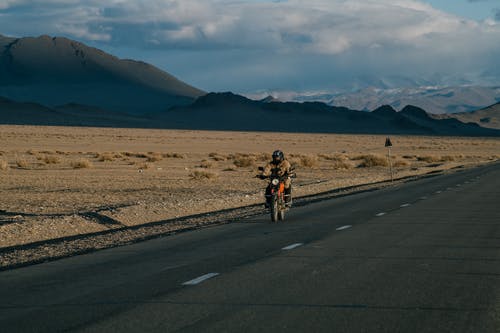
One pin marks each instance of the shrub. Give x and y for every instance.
(202, 174)
(82, 163)
(373, 160)
(3, 165)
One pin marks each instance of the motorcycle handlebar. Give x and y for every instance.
(291, 175)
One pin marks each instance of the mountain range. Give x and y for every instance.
(487, 117)
(434, 99)
(227, 111)
(57, 81)
(54, 71)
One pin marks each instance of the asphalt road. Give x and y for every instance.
(419, 257)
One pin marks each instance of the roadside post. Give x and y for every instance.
(388, 144)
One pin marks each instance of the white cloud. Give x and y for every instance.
(382, 34)
(315, 26)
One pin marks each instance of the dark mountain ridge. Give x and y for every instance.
(233, 112)
(57, 70)
(227, 111)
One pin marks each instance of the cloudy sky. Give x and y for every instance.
(252, 45)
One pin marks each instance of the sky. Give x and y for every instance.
(258, 45)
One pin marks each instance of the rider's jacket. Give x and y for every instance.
(283, 168)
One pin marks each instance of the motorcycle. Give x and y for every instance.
(276, 196)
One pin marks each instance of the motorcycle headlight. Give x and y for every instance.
(275, 181)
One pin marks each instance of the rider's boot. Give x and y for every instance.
(267, 195)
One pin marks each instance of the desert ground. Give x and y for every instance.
(63, 181)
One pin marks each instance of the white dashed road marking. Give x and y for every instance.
(423, 198)
(293, 246)
(437, 192)
(380, 214)
(344, 227)
(405, 205)
(200, 279)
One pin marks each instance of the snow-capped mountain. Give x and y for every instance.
(434, 99)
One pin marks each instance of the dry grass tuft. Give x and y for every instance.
(22, 163)
(337, 161)
(448, 158)
(155, 157)
(3, 165)
(398, 163)
(217, 157)
(65, 153)
(202, 175)
(174, 155)
(373, 160)
(341, 165)
(51, 159)
(231, 168)
(144, 166)
(82, 163)
(206, 164)
(31, 152)
(334, 157)
(308, 161)
(429, 158)
(106, 157)
(130, 154)
(264, 157)
(244, 160)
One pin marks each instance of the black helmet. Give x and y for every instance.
(278, 156)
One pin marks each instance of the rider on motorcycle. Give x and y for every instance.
(282, 168)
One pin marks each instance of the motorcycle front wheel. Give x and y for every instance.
(281, 208)
(274, 209)
(281, 214)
